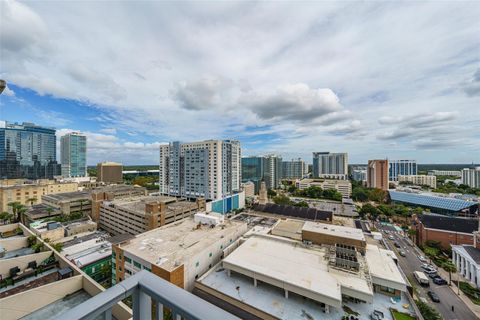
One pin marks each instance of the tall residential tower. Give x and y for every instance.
(401, 167)
(377, 174)
(73, 155)
(210, 169)
(330, 165)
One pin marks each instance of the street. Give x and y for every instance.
(411, 263)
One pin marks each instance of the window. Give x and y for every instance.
(197, 264)
(128, 271)
(136, 264)
(127, 259)
(210, 254)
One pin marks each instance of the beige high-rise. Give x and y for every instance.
(377, 174)
(110, 172)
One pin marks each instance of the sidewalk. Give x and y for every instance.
(472, 306)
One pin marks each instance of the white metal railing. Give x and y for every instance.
(147, 289)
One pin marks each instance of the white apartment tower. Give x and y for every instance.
(471, 177)
(330, 165)
(210, 169)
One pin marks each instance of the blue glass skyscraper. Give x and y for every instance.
(27, 151)
(73, 154)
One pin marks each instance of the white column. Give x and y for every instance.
(229, 273)
(327, 308)
(254, 282)
(286, 293)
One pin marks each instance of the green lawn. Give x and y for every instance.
(397, 315)
(471, 292)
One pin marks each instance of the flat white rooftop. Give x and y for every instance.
(290, 265)
(177, 241)
(383, 268)
(334, 230)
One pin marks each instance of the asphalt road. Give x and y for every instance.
(411, 263)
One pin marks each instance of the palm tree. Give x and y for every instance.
(21, 211)
(49, 210)
(32, 200)
(449, 267)
(3, 216)
(14, 206)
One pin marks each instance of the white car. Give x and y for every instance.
(422, 258)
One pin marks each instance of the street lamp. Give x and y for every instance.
(3, 85)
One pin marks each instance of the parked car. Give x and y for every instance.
(433, 296)
(430, 271)
(402, 253)
(439, 281)
(397, 245)
(391, 237)
(422, 258)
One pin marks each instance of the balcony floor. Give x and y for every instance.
(17, 253)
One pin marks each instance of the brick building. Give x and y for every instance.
(446, 230)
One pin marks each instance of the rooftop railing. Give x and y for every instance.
(146, 290)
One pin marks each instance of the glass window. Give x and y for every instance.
(197, 264)
(136, 264)
(127, 259)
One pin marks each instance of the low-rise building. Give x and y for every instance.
(140, 214)
(249, 189)
(443, 229)
(69, 203)
(329, 234)
(453, 173)
(179, 253)
(39, 283)
(261, 280)
(29, 192)
(39, 212)
(54, 231)
(419, 180)
(466, 258)
(111, 192)
(342, 186)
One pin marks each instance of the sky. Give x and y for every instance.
(374, 79)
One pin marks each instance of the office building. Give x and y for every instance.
(342, 186)
(401, 167)
(73, 155)
(419, 180)
(377, 174)
(78, 203)
(41, 283)
(208, 169)
(330, 165)
(272, 171)
(471, 177)
(28, 192)
(110, 172)
(180, 252)
(293, 169)
(141, 214)
(359, 174)
(252, 170)
(28, 151)
(452, 173)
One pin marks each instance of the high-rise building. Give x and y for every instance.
(109, 172)
(330, 165)
(377, 174)
(401, 167)
(359, 174)
(252, 170)
(27, 151)
(471, 177)
(294, 169)
(272, 171)
(210, 169)
(73, 155)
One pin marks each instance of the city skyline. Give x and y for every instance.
(406, 90)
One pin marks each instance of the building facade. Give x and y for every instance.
(377, 174)
(252, 170)
(31, 192)
(73, 155)
(467, 260)
(359, 174)
(293, 169)
(110, 172)
(272, 171)
(208, 169)
(401, 167)
(419, 180)
(453, 173)
(471, 177)
(342, 186)
(328, 164)
(28, 151)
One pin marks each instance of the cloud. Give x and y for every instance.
(472, 87)
(296, 102)
(205, 93)
(8, 92)
(108, 130)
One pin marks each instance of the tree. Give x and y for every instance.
(14, 205)
(369, 210)
(271, 193)
(3, 216)
(377, 195)
(292, 189)
(282, 199)
(49, 210)
(412, 233)
(21, 213)
(359, 194)
(32, 200)
(449, 267)
(57, 247)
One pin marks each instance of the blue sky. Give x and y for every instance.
(376, 80)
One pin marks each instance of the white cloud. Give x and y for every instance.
(311, 71)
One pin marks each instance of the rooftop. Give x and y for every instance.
(169, 245)
(426, 200)
(473, 252)
(334, 230)
(289, 228)
(137, 204)
(277, 260)
(68, 196)
(455, 224)
(383, 268)
(296, 212)
(87, 252)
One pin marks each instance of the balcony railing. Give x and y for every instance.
(147, 289)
